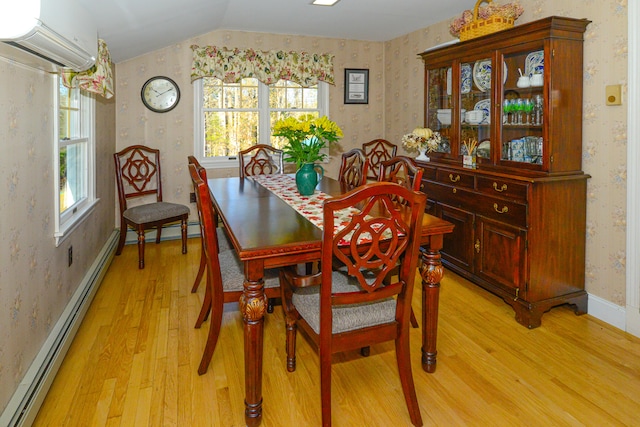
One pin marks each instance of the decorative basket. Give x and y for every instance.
(482, 27)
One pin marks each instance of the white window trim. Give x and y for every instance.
(263, 96)
(67, 222)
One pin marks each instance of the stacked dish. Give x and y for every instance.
(444, 115)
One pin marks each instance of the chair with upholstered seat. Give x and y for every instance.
(260, 159)
(378, 151)
(353, 169)
(138, 176)
(223, 241)
(353, 306)
(401, 170)
(404, 171)
(225, 272)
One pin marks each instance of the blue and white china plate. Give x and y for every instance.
(534, 63)
(482, 74)
(484, 106)
(484, 149)
(466, 79)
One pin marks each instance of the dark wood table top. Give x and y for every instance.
(262, 225)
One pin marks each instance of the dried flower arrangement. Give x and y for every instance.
(506, 11)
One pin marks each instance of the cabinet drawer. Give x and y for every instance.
(502, 188)
(503, 210)
(428, 172)
(454, 177)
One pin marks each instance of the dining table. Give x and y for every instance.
(267, 231)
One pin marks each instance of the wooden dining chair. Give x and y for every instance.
(138, 176)
(225, 271)
(221, 235)
(378, 151)
(260, 159)
(404, 171)
(401, 170)
(353, 169)
(345, 309)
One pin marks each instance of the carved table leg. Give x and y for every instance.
(253, 303)
(431, 271)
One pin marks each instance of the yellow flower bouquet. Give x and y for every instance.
(306, 136)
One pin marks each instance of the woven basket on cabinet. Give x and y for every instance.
(482, 27)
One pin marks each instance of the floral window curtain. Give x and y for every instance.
(97, 79)
(231, 65)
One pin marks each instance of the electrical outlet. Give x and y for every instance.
(70, 255)
(192, 197)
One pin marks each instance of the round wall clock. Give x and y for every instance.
(160, 94)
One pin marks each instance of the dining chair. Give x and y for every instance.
(260, 159)
(404, 171)
(138, 176)
(347, 308)
(225, 271)
(377, 151)
(221, 235)
(353, 169)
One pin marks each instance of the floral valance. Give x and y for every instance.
(97, 79)
(232, 65)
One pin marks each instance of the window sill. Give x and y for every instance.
(67, 228)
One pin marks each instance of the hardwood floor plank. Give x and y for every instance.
(134, 362)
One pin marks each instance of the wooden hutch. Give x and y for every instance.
(520, 210)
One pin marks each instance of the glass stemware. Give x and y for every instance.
(528, 109)
(506, 109)
(538, 109)
(519, 109)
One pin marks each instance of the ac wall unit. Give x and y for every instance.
(49, 34)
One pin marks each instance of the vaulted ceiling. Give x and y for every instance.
(134, 27)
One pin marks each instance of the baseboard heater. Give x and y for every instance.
(28, 397)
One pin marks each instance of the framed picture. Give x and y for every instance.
(356, 86)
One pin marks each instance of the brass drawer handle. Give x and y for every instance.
(501, 189)
(477, 246)
(456, 179)
(455, 191)
(504, 209)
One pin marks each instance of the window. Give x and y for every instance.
(74, 157)
(234, 116)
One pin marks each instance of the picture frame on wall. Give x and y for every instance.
(356, 86)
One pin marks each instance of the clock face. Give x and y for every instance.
(160, 94)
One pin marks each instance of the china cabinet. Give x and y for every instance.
(520, 210)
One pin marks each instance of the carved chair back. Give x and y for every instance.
(377, 151)
(261, 159)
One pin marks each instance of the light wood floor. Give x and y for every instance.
(134, 361)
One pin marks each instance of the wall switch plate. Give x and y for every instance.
(613, 94)
(192, 197)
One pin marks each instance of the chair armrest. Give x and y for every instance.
(299, 280)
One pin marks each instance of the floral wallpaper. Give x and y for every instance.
(35, 282)
(604, 127)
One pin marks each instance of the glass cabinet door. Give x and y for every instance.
(439, 104)
(523, 109)
(475, 98)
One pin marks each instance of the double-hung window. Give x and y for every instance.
(234, 116)
(74, 155)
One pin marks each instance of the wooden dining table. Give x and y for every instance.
(267, 232)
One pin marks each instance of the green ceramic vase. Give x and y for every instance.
(307, 178)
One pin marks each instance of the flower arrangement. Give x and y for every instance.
(507, 11)
(422, 138)
(306, 136)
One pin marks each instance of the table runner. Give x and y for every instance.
(284, 186)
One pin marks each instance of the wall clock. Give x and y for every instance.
(160, 94)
